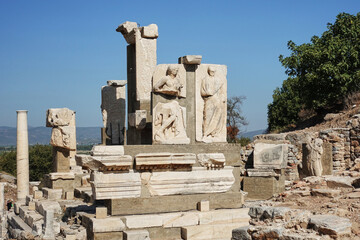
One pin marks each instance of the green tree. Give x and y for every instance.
(320, 73)
(235, 119)
(40, 161)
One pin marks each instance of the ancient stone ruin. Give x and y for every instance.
(164, 169)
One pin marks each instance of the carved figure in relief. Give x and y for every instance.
(169, 123)
(170, 84)
(314, 148)
(214, 112)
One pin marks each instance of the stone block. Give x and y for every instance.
(204, 206)
(61, 175)
(43, 206)
(113, 163)
(241, 233)
(331, 225)
(115, 185)
(164, 160)
(101, 212)
(205, 232)
(69, 195)
(17, 206)
(327, 159)
(224, 216)
(263, 187)
(56, 117)
(31, 206)
(211, 160)
(110, 224)
(197, 181)
(70, 237)
(28, 199)
(143, 221)
(160, 233)
(136, 235)
(61, 159)
(52, 194)
(190, 59)
(267, 155)
(138, 119)
(104, 150)
(174, 203)
(150, 31)
(119, 83)
(325, 192)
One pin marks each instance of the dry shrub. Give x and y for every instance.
(351, 100)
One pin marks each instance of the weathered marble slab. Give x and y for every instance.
(267, 155)
(211, 103)
(104, 150)
(113, 109)
(164, 160)
(56, 117)
(64, 137)
(114, 163)
(169, 124)
(190, 59)
(197, 181)
(211, 160)
(170, 79)
(115, 185)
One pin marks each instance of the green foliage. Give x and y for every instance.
(40, 161)
(320, 73)
(244, 141)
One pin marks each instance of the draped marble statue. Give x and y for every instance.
(214, 114)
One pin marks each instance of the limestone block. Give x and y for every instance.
(61, 175)
(211, 103)
(211, 160)
(17, 206)
(43, 206)
(143, 221)
(61, 159)
(31, 206)
(115, 185)
(120, 83)
(170, 79)
(224, 216)
(145, 52)
(150, 31)
(138, 119)
(196, 181)
(261, 172)
(180, 219)
(52, 194)
(331, 225)
(127, 30)
(56, 117)
(268, 155)
(101, 212)
(136, 235)
(203, 206)
(29, 198)
(164, 160)
(113, 111)
(69, 195)
(205, 232)
(113, 163)
(169, 124)
(64, 137)
(103, 150)
(190, 59)
(49, 225)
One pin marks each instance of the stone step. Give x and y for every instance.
(18, 223)
(52, 194)
(42, 206)
(84, 193)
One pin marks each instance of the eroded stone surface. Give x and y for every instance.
(331, 225)
(64, 137)
(272, 156)
(211, 160)
(191, 59)
(210, 101)
(169, 124)
(170, 79)
(164, 160)
(102, 150)
(56, 117)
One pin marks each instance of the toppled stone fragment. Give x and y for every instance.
(150, 31)
(331, 225)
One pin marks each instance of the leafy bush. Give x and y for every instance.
(40, 161)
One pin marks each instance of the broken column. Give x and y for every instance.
(2, 198)
(49, 225)
(113, 111)
(22, 155)
(63, 136)
(141, 62)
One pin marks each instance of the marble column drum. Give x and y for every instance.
(22, 155)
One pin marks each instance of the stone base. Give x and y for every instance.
(261, 188)
(66, 184)
(231, 151)
(174, 203)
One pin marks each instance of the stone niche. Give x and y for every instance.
(211, 103)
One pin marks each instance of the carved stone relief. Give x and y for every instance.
(170, 79)
(169, 124)
(312, 152)
(268, 155)
(211, 100)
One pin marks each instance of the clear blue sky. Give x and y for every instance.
(60, 53)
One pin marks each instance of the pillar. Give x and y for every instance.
(22, 155)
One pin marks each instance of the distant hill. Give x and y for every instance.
(41, 135)
(252, 133)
